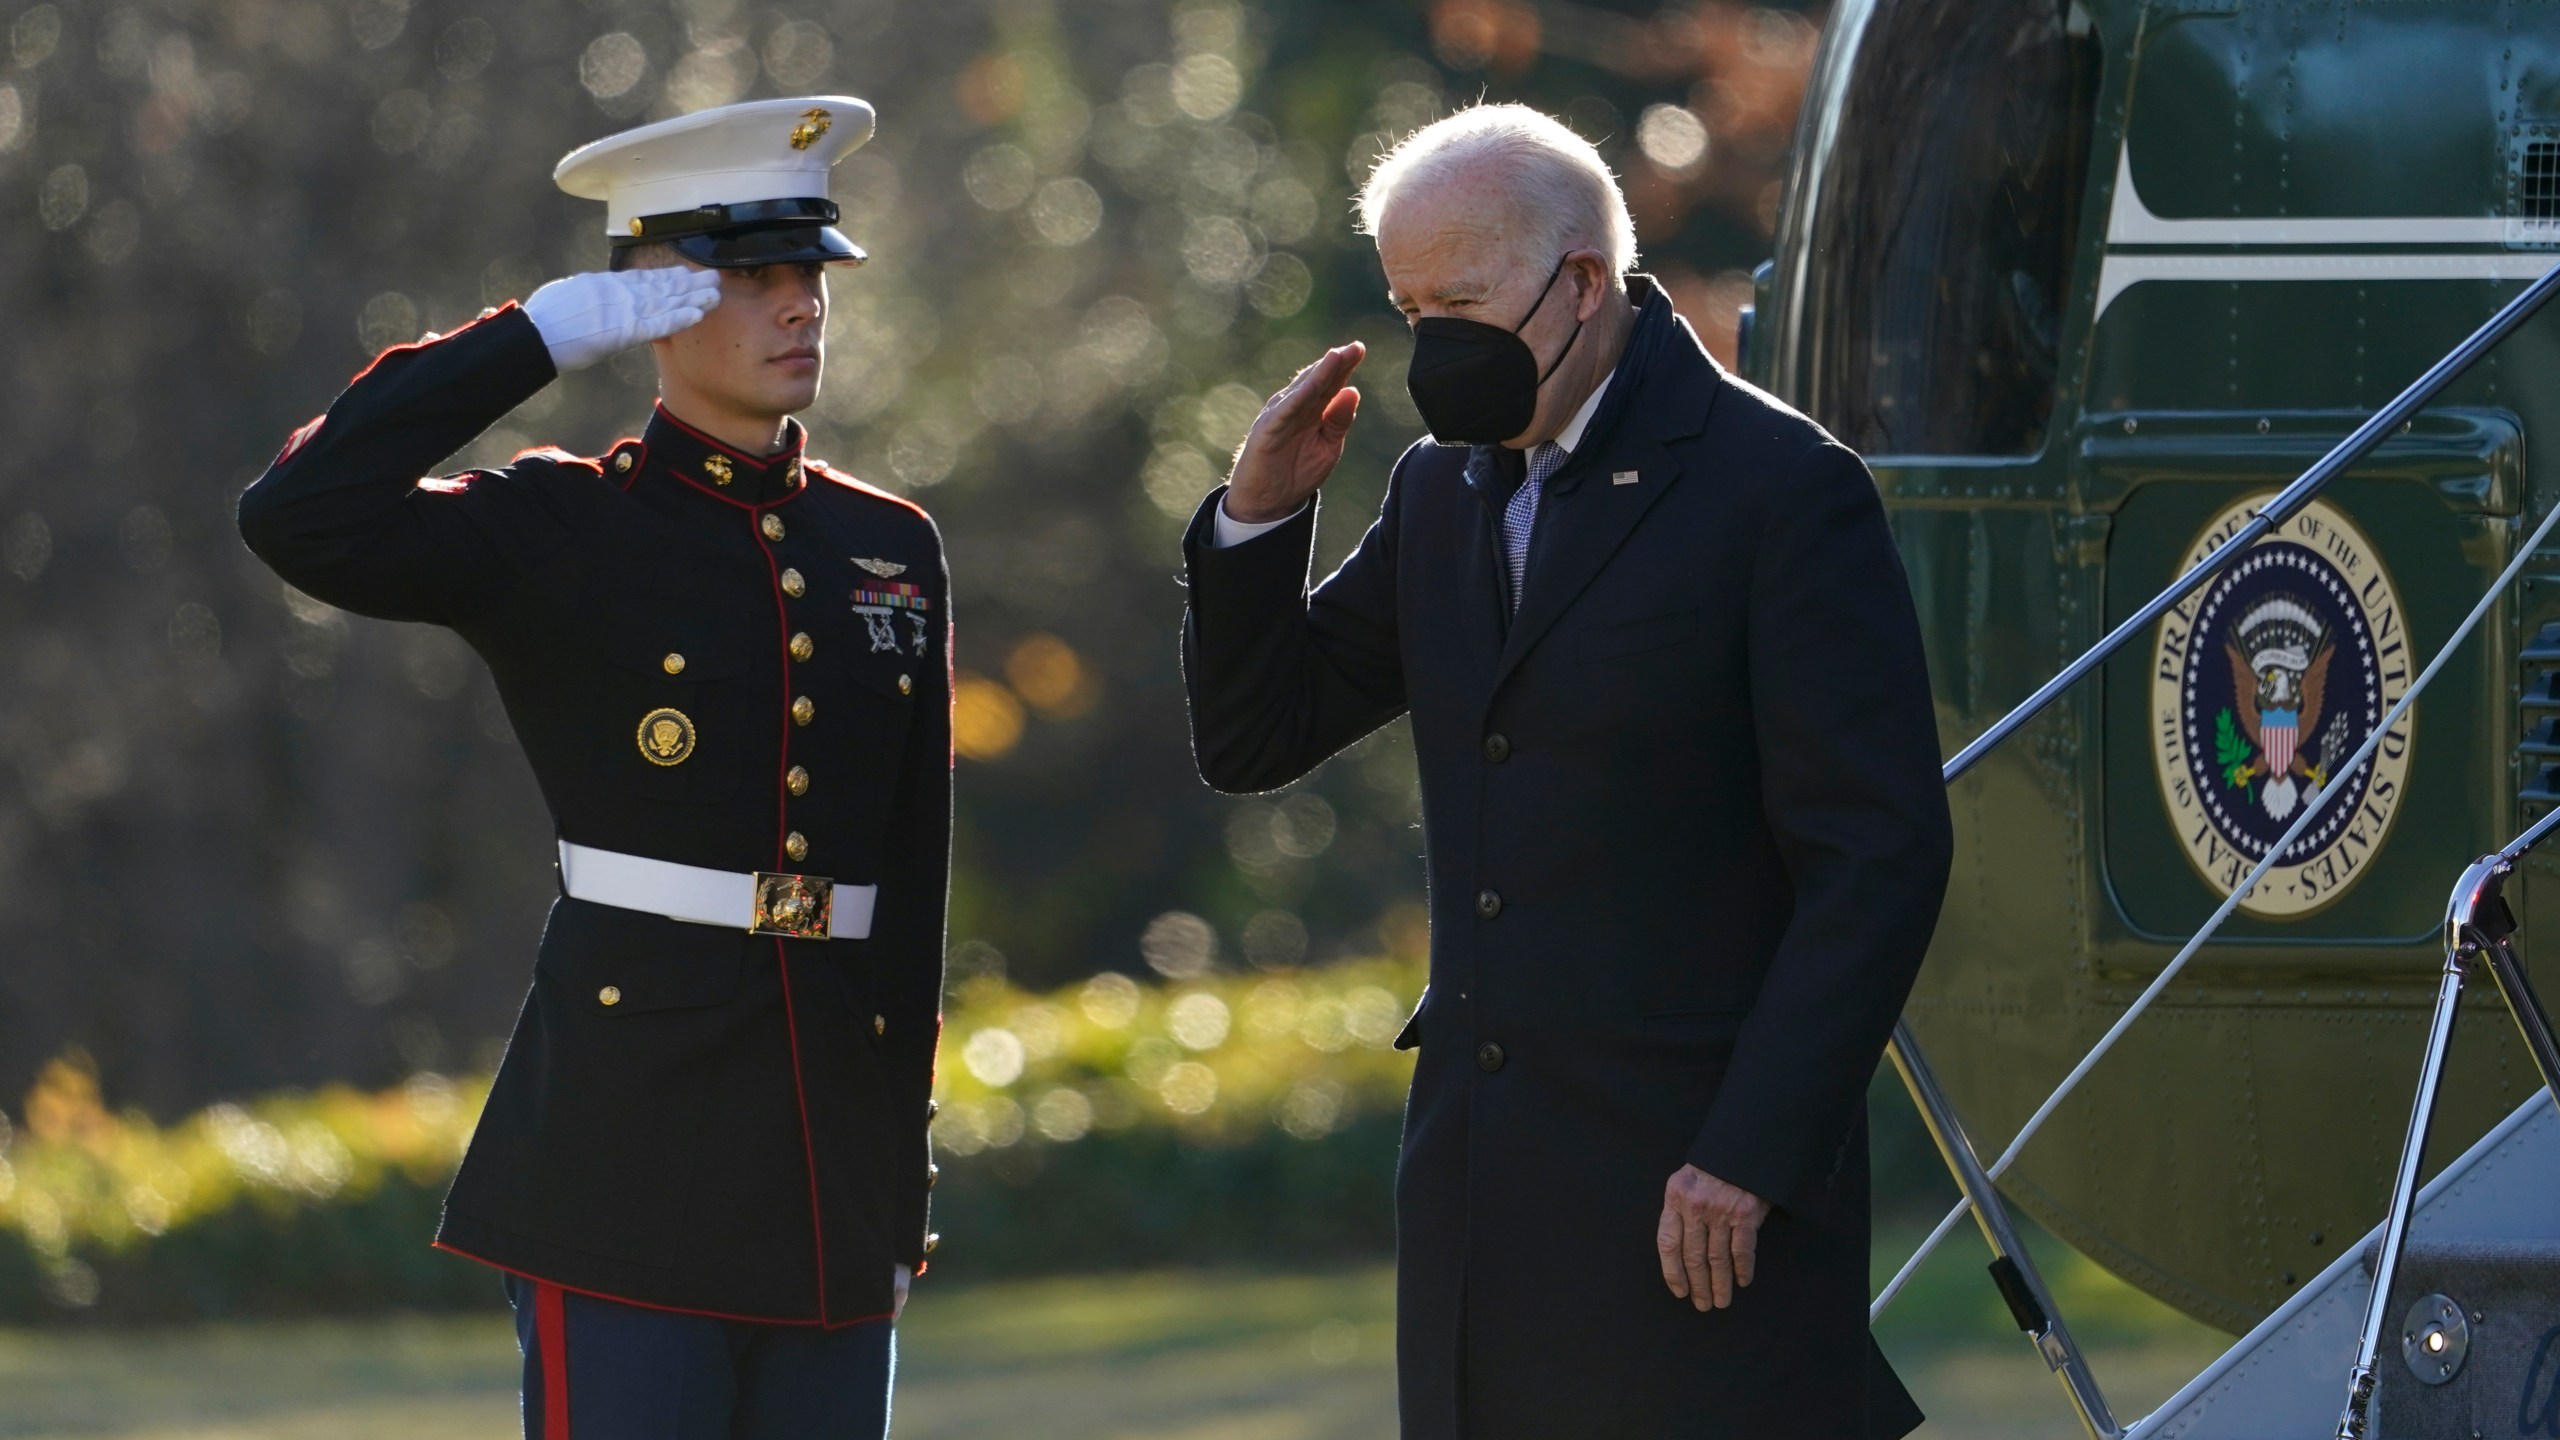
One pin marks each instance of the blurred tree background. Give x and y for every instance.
(248, 842)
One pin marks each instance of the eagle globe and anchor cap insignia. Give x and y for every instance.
(2264, 683)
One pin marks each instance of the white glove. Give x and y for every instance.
(584, 318)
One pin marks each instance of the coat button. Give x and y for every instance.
(609, 995)
(1489, 1057)
(932, 1243)
(906, 684)
(1488, 904)
(932, 1109)
(771, 525)
(932, 1173)
(796, 845)
(1496, 749)
(622, 462)
(802, 647)
(793, 585)
(674, 663)
(879, 1024)
(797, 779)
(803, 710)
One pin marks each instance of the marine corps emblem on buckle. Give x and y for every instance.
(796, 907)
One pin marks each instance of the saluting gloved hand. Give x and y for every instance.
(584, 318)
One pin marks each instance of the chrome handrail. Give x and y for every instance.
(1978, 1182)
(2231, 903)
(2359, 443)
(2479, 930)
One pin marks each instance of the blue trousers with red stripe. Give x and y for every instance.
(598, 1369)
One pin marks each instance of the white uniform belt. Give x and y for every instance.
(708, 897)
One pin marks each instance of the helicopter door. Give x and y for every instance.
(2240, 710)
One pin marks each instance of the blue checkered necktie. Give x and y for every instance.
(1521, 515)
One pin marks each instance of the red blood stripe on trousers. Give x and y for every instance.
(551, 1328)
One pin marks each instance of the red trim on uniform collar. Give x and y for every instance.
(797, 436)
(677, 465)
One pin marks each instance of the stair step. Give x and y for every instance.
(2496, 1365)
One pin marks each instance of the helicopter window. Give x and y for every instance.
(1944, 233)
(2538, 180)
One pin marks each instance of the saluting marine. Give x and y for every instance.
(704, 1164)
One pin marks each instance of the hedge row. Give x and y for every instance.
(1218, 1120)
(1221, 1118)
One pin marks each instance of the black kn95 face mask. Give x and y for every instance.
(1477, 384)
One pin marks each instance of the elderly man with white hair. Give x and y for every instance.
(1685, 835)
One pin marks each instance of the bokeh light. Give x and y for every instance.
(986, 721)
(1179, 945)
(1672, 138)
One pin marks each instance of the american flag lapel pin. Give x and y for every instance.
(1623, 477)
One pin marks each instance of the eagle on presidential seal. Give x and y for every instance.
(2279, 655)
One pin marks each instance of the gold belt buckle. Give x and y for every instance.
(796, 907)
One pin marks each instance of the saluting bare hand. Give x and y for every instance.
(1709, 1238)
(1297, 439)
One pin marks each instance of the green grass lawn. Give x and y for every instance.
(1149, 1356)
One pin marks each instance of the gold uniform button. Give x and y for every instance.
(609, 995)
(793, 585)
(797, 778)
(932, 1243)
(771, 525)
(932, 1108)
(932, 1173)
(879, 1024)
(906, 684)
(803, 710)
(674, 663)
(622, 461)
(802, 647)
(796, 845)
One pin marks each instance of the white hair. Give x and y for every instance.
(1562, 193)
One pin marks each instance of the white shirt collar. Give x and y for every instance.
(1571, 436)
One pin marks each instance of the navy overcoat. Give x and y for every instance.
(1686, 843)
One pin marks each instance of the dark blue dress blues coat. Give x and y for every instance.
(688, 1116)
(1686, 843)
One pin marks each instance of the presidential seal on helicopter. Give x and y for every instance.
(2261, 683)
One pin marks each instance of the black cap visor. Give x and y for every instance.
(770, 245)
(761, 232)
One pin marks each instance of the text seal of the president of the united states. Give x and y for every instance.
(2263, 684)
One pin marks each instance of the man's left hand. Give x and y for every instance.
(898, 1307)
(1709, 1237)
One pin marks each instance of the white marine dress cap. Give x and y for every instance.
(739, 185)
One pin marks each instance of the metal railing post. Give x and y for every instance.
(2404, 1182)
(1982, 1195)
(2532, 1021)
(2479, 927)
(2013, 1270)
